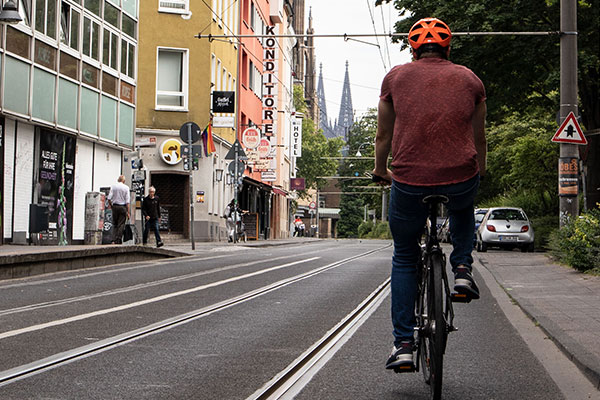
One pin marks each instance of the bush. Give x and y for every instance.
(365, 228)
(544, 227)
(577, 243)
(369, 230)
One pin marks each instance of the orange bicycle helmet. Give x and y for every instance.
(429, 30)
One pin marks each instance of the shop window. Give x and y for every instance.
(17, 42)
(69, 26)
(171, 86)
(110, 49)
(69, 66)
(91, 38)
(45, 17)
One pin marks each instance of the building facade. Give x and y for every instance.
(67, 112)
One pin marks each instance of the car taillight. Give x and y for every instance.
(491, 228)
(525, 228)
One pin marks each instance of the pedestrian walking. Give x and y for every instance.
(431, 117)
(151, 214)
(118, 200)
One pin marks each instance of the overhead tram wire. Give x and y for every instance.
(377, 37)
(391, 35)
(387, 47)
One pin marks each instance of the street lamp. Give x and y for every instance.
(218, 175)
(358, 154)
(10, 13)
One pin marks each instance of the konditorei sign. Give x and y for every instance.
(270, 82)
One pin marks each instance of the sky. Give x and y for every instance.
(366, 62)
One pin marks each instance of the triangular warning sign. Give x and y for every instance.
(570, 132)
(236, 147)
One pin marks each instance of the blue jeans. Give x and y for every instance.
(151, 224)
(407, 218)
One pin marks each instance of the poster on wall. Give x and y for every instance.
(55, 186)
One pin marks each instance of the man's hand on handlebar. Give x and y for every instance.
(382, 177)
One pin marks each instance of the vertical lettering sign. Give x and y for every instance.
(296, 148)
(568, 176)
(270, 82)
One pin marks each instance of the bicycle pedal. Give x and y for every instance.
(460, 298)
(405, 368)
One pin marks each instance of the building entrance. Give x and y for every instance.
(173, 191)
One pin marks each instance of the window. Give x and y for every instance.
(25, 11)
(45, 17)
(69, 26)
(111, 15)
(213, 70)
(93, 6)
(218, 74)
(251, 75)
(128, 58)
(129, 26)
(172, 79)
(174, 6)
(252, 16)
(91, 38)
(110, 49)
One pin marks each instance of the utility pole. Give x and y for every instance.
(569, 204)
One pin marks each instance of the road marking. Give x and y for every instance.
(80, 317)
(37, 306)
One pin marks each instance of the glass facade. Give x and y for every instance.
(73, 63)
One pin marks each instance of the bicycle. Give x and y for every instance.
(433, 308)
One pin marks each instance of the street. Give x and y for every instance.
(223, 324)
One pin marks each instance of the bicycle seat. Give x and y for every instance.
(435, 199)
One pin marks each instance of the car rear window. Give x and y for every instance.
(508, 214)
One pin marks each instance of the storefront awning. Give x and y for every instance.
(333, 213)
(279, 192)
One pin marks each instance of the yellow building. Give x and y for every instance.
(176, 75)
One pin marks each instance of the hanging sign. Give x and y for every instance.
(269, 97)
(170, 151)
(296, 147)
(251, 138)
(223, 102)
(264, 148)
(570, 132)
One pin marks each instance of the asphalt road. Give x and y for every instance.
(230, 351)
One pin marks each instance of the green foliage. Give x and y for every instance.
(314, 146)
(369, 230)
(351, 208)
(577, 243)
(543, 228)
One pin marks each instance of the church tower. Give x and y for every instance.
(346, 117)
(323, 117)
(309, 80)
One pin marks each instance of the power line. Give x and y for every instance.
(387, 47)
(376, 37)
(391, 35)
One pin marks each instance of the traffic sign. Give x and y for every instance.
(241, 153)
(241, 167)
(312, 205)
(570, 132)
(184, 133)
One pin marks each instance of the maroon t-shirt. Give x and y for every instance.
(434, 101)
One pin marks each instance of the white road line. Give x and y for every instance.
(37, 306)
(80, 317)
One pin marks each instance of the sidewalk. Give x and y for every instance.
(565, 303)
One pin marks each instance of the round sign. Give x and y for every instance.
(170, 151)
(264, 148)
(312, 205)
(190, 132)
(241, 167)
(251, 138)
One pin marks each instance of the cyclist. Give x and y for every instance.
(431, 117)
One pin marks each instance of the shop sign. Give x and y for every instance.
(146, 141)
(251, 138)
(296, 147)
(568, 176)
(223, 102)
(297, 184)
(223, 122)
(269, 99)
(170, 151)
(264, 148)
(268, 176)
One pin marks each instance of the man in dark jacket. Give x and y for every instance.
(151, 212)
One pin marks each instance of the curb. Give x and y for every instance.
(568, 346)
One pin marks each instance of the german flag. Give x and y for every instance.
(207, 141)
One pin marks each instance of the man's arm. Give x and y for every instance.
(478, 123)
(386, 117)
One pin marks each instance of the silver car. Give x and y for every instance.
(505, 227)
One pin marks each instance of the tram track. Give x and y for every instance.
(66, 357)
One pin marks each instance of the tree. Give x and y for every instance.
(521, 72)
(350, 216)
(315, 146)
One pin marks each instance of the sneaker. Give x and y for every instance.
(401, 356)
(464, 282)
(159, 244)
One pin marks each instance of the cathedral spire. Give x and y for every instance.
(346, 117)
(323, 117)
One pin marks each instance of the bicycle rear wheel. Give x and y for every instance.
(438, 329)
